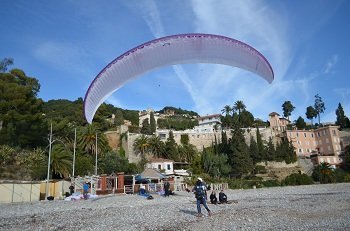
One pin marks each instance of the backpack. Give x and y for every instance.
(199, 191)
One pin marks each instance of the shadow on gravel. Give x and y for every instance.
(190, 212)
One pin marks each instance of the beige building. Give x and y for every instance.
(324, 141)
(277, 123)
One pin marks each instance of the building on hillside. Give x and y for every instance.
(161, 164)
(334, 160)
(200, 136)
(276, 123)
(323, 141)
(213, 121)
(146, 114)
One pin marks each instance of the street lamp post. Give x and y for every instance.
(96, 156)
(48, 164)
(75, 141)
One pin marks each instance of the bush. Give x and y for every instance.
(297, 179)
(271, 183)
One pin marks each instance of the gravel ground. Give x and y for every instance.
(314, 207)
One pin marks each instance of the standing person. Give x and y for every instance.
(213, 198)
(166, 188)
(85, 190)
(200, 193)
(222, 197)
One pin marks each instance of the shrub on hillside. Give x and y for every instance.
(297, 179)
(271, 183)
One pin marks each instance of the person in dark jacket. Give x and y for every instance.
(222, 197)
(166, 188)
(200, 193)
(213, 198)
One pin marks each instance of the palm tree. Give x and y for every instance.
(324, 173)
(87, 140)
(156, 146)
(141, 145)
(227, 110)
(61, 160)
(239, 106)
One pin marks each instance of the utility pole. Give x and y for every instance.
(75, 141)
(48, 164)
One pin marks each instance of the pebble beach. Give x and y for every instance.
(312, 207)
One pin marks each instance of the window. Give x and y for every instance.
(312, 135)
(168, 166)
(304, 134)
(329, 148)
(333, 131)
(297, 135)
(318, 133)
(327, 140)
(300, 150)
(159, 166)
(162, 136)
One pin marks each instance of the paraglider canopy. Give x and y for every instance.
(171, 50)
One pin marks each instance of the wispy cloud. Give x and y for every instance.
(330, 64)
(64, 56)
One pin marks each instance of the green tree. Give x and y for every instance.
(112, 162)
(271, 152)
(184, 139)
(84, 164)
(319, 107)
(61, 161)
(287, 108)
(87, 140)
(239, 106)
(300, 123)
(261, 147)
(311, 113)
(20, 110)
(171, 147)
(4, 63)
(246, 119)
(323, 173)
(152, 123)
(156, 146)
(342, 121)
(254, 151)
(146, 127)
(141, 145)
(215, 164)
(239, 157)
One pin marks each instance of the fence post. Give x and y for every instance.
(13, 191)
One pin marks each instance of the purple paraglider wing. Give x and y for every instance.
(171, 50)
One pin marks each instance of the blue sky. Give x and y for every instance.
(65, 44)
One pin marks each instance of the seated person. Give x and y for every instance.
(222, 197)
(213, 198)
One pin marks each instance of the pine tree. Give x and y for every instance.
(253, 150)
(342, 120)
(171, 147)
(239, 157)
(152, 123)
(271, 152)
